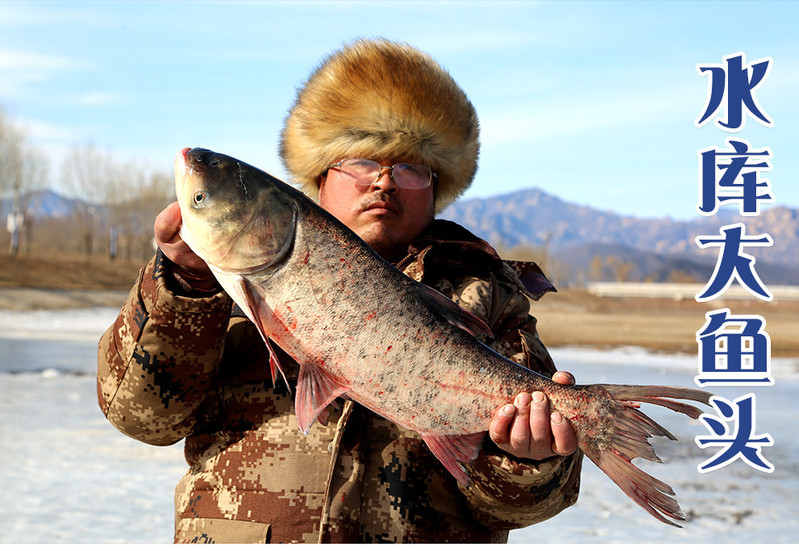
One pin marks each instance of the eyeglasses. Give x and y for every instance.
(365, 172)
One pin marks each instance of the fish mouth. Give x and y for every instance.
(193, 160)
(181, 170)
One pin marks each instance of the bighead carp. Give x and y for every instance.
(358, 326)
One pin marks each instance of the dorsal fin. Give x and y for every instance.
(455, 315)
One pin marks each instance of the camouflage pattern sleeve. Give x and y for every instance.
(506, 492)
(158, 359)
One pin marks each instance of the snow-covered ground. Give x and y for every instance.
(69, 477)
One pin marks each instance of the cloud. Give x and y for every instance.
(43, 132)
(15, 60)
(39, 14)
(94, 98)
(19, 70)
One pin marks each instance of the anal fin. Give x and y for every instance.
(455, 449)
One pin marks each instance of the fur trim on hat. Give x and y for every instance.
(379, 99)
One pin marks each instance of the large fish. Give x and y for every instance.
(358, 326)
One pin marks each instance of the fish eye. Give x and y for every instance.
(199, 198)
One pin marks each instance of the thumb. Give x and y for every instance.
(563, 378)
(167, 224)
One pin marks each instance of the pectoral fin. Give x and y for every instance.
(315, 391)
(454, 450)
(255, 308)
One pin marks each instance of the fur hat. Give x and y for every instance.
(380, 99)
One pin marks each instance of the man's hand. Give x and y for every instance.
(527, 430)
(190, 267)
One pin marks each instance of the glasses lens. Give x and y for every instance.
(360, 171)
(363, 172)
(412, 176)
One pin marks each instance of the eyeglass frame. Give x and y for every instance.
(433, 175)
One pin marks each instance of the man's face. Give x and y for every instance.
(384, 215)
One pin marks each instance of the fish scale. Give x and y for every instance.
(361, 328)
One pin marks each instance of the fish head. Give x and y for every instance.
(237, 218)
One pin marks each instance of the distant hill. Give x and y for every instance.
(658, 247)
(578, 237)
(43, 204)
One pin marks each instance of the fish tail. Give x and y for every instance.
(624, 436)
(657, 395)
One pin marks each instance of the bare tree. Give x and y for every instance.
(9, 147)
(34, 176)
(595, 270)
(139, 197)
(125, 183)
(159, 192)
(23, 169)
(620, 269)
(91, 177)
(10, 144)
(681, 276)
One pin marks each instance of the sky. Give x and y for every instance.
(594, 102)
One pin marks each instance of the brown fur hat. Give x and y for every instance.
(380, 99)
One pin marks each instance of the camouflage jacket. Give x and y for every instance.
(178, 367)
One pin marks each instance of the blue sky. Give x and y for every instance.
(593, 102)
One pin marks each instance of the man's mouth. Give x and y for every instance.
(380, 207)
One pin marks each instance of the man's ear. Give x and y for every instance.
(320, 181)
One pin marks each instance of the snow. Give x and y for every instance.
(69, 477)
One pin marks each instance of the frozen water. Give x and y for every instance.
(69, 477)
(735, 504)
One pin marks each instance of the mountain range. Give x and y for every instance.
(43, 204)
(654, 248)
(581, 243)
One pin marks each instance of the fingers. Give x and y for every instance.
(520, 435)
(499, 428)
(527, 429)
(530, 432)
(564, 439)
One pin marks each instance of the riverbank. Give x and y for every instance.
(575, 317)
(67, 272)
(570, 317)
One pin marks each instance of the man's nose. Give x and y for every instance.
(385, 182)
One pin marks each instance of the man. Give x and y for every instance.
(383, 138)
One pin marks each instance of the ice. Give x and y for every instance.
(736, 504)
(59, 325)
(69, 477)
